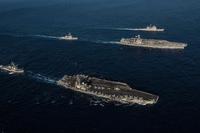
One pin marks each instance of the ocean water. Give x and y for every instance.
(29, 32)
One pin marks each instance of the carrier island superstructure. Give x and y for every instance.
(110, 90)
(137, 41)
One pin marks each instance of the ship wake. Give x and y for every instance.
(46, 36)
(122, 29)
(108, 42)
(34, 36)
(126, 29)
(131, 29)
(41, 78)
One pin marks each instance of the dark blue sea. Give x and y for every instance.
(28, 37)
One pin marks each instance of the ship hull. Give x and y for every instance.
(150, 30)
(69, 39)
(11, 71)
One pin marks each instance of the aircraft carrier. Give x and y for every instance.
(110, 90)
(151, 43)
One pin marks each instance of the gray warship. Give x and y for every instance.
(151, 43)
(110, 90)
(11, 69)
(68, 37)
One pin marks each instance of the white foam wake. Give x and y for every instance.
(129, 29)
(35, 36)
(108, 42)
(41, 78)
(46, 36)
(137, 29)
(122, 29)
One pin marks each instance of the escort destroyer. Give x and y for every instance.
(69, 37)
(11, 69)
